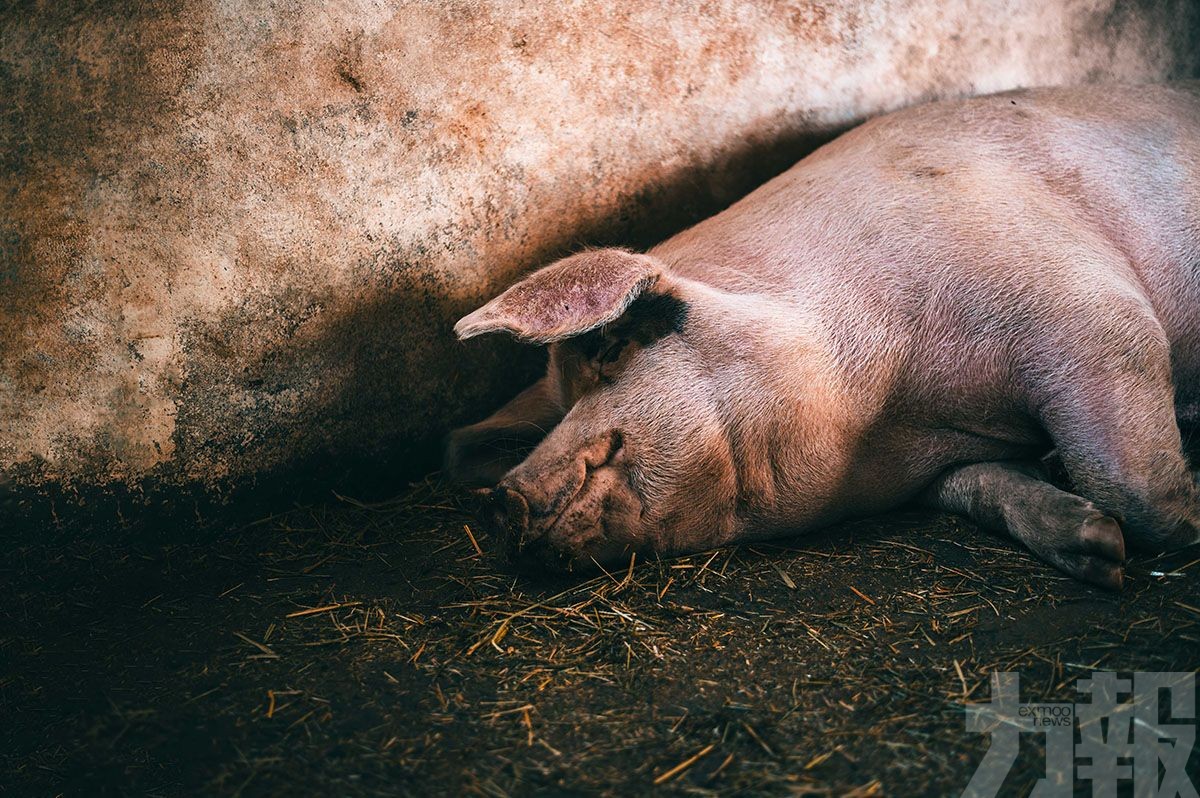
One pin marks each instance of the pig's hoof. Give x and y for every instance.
(1094, 551)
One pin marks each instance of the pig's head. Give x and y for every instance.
(631, 442)
(673, 416)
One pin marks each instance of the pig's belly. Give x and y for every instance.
(1176, 297)
(1187, 408)
(892, 468)
(1185, 363)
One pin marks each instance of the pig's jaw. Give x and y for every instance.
(790, 438)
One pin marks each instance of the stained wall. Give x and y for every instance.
(235, 235)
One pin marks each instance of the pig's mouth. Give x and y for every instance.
(590, 518)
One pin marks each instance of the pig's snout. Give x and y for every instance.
(570, 510)
(509, 515)
(510, 520)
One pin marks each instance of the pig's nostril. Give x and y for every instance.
(510, 513)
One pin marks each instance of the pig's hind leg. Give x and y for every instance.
(1063, 529)
(1111, 413)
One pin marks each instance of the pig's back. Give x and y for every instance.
(1128, 159)
(1011, 192)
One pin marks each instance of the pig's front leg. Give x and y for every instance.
(1063, 529)
(480, 454)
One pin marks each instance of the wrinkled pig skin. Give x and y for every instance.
(924, 309)
(233, 235)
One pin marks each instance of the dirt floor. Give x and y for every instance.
(349, 649)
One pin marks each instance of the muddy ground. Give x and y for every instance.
(351, 649)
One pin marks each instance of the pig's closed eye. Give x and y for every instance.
(608, 355)
(612, 352)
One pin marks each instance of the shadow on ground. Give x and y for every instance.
(357, 649)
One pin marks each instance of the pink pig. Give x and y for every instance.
(920, 311)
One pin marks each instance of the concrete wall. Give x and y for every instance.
(234, 235)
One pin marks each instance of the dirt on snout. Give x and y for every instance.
(351, 649)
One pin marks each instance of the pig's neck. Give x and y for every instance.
(795, 412)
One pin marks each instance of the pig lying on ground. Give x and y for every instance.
(919, 311)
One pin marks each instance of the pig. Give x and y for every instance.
(933, 309)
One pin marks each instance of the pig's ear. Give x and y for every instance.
(566, 298)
